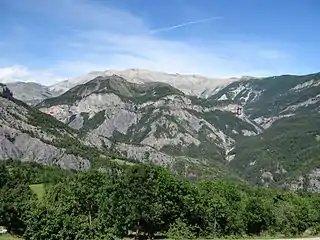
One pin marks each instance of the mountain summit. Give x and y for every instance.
(189, 84)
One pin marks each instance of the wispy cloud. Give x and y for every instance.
(183, 24)
(18, 73)
(87, 37)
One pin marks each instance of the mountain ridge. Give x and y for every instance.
(29, 135)
(188, 83)
(217, 115)
(218, 134)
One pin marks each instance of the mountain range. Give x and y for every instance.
(33, 93)
(264, 131)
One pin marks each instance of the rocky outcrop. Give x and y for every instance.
(27, 139)
(17, 145)
(30, 93)
(309, 182)
(5, 92)
(153, 119)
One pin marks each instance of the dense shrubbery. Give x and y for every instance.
(144, 201)
(288, 149)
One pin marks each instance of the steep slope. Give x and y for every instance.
(29, 135)
(30, 93)
(287, 152)
(151, 122)
(189, 84)
(264, 130)
(268, 99)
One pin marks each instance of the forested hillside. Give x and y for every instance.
(39, 202)
(288, 150)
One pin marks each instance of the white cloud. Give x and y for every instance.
(103, 37)
(20, 73)
(103, 49)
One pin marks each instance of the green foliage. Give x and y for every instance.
(290, 144)
(225, 121)
(48, 123)
(146, 200)
(93, 122)
(277, 96)
(4, 175)
(224, 207)
(26, 173)
(65, 98)
(180, 230)
(174, 150)
(13, 205)
(207, 149)
(38, 189)
(274, 94)
(8, 237)
(64, 137)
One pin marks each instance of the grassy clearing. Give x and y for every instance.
(38, 189)
(8, 237)
(122, 162)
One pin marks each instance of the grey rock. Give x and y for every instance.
(314, 181)
(30, 93)
(181, 120)
(77, 122)
(22, 139)
(20, 146)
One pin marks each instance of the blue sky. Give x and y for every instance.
(50, 40)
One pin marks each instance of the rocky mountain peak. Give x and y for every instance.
(189, 84)
(5, 92)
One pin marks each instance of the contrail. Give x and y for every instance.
(183, 25)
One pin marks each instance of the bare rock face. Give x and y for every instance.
(17, 145)
(309, 182)
(22, 138)
(6, 92)
(314, 181)
(29, 92)
(148, 122)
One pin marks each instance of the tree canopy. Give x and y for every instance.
(144, 201)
